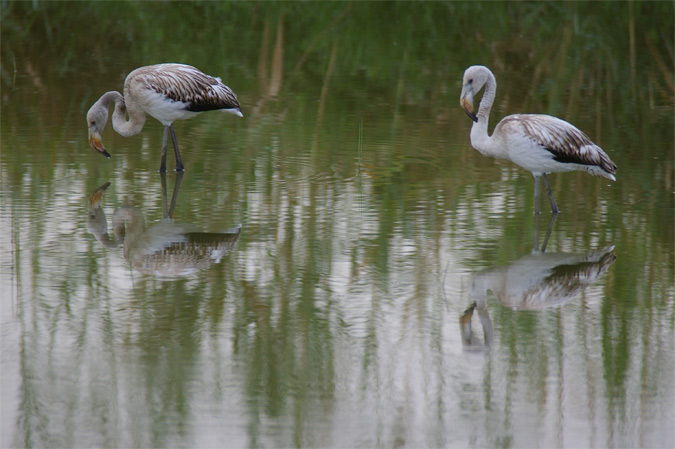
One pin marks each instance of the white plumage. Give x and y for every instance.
(167, 92)
(539, 143)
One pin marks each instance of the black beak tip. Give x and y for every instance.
(471, 115)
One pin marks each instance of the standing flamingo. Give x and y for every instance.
(166, 92)
(539, 143)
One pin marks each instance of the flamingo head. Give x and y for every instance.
(473, 81)
(97, 117)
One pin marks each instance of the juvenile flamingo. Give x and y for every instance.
(539, 143)
(167, 92)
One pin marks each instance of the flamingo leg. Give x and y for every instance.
(554, 215)
(536, 194)
(536, 234)
(174, 197)
(162, 167)
(179, 161)
(554, 208)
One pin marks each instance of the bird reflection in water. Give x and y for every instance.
(537, 281)
(164, 249)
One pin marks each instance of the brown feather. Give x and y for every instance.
(187, 84)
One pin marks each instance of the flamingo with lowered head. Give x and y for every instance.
(539, 143)
(167, 92)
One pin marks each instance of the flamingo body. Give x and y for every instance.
(538, 143)
(167, 92)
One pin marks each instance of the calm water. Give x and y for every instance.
(338, 268)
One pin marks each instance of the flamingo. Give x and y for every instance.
(167, 92)
(538, 143)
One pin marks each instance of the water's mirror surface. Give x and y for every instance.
(339, 268)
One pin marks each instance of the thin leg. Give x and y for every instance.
(162, 176)
(486, 323)
(536, 195)
(162, 167)
(554, 215)
(536, 233)
(179, 161)
(174, 198)
(554, 208)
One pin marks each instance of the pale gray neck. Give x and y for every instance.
(121, 125)
(128, 225)
(97, 225)
(480, 139)
(488, 98)
(107, 97)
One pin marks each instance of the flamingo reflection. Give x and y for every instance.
(537, 281)
(166, 248)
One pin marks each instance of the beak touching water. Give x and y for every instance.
(95, 142)
(466, 101)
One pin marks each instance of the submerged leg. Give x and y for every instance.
(554, 208)
(486, 323)
(162, 176)
(162, 167)
(536, 194)
(174, 197)
(536, 233)
(179, 161)
(554, 215)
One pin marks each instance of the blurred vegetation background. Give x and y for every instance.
(625, 48)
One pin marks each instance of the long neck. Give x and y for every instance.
(129, 226)
(121, 125)
(480, 139)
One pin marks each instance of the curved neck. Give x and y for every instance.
(488, 98)
(480, 139)
(121, 125)
(127, 221)
(98, 227)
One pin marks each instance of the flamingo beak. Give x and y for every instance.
(96, 196)
(95, 142)
(466, 101)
